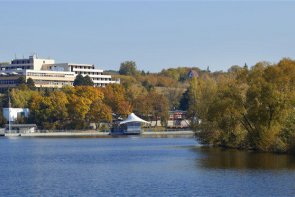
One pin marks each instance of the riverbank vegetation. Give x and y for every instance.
(69, 107)
(149, 95)
(246, 108)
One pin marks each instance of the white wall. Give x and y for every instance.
(11, 113)
(39, 62)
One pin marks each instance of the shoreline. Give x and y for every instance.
(95, 134)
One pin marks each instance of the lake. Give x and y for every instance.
(137, 166)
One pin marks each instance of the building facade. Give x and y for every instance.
(12, 114)
(48, 74)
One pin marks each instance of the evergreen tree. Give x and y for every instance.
(79, 80)
(83, 81)
(31, 83)
(184, 101)
(21, 80)
(88, 81)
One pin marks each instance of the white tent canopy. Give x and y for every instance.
(133, 118)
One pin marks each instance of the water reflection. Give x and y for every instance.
(220, 158)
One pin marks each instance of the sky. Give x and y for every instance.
(155, 34)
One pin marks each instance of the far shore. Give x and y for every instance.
(96, 134)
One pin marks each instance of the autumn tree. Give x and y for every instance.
(152, 104)
(99, 112)
(251, 109)
(201, 93)
(21, 97)
(270, 104)
(160, 107)
(48, 112)
(115, 97)
(80, 100)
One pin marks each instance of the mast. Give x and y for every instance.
(9, 112)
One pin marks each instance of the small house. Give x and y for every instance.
(193, 74)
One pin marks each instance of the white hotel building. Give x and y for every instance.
(48, 74)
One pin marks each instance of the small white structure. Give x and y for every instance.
(11, 114)
(20, 128)
(133, 118)
(130, 126)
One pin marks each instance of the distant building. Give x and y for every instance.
(192, 74)
(12, 114)
(20, 128)
(48, 74)
(177, 115)
(178, 119)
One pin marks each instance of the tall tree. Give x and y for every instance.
(128, 68)
(153, 104)
(88, 81)
(99, 112)
(31, 84)
(115, 96)
(83, 81)
(79, 80)
(184, 101)
(21, 80)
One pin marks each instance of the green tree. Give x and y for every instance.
(83, 81)
(21, 80)
(152, 104)
(252, 109)
(128, 68)
(201, 93)
(79, 80)
(184, 101)
(88, 81)
(31, 84)
(160, 107)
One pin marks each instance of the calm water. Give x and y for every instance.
(138, 167)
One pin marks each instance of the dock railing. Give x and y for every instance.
(67, 131)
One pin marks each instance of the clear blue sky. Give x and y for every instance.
(156, 35)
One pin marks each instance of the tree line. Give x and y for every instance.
(246, 108)
(70, 107)
(76, 107)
